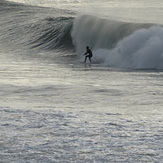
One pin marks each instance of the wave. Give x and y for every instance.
(114, 43)
(119, 44)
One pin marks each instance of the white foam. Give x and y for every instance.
(141, 50)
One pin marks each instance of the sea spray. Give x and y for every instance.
(141, 50)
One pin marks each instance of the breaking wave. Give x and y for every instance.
(114, 43)
(120, 44)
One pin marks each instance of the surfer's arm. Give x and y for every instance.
(85, 53)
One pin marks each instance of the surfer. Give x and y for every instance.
(88, 54)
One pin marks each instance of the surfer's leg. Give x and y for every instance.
(85, 59)
(90, 59)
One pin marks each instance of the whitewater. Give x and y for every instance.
(54, 108)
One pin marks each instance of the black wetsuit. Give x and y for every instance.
(89, 52)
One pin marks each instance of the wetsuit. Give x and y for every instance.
(89, 52)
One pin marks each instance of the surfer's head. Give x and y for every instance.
(87, 47)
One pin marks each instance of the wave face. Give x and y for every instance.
(53, 33)
(119, 44)
(35, 27)
(114, 43)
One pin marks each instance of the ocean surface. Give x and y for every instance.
(54, 108)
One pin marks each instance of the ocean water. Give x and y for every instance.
(53, 108)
